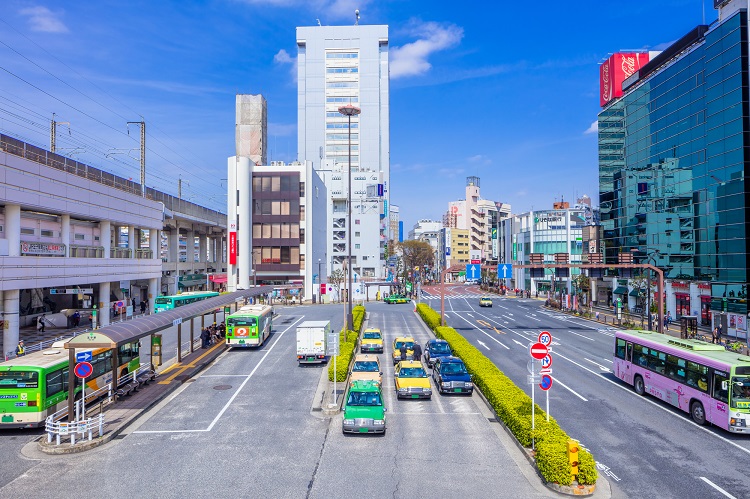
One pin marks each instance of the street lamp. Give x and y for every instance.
(349, 111)
(320, 280)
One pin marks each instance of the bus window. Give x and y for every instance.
(721, 387)
(697, 376)
(620, 348)
(57, 381)
(19, 379)
(629, 355)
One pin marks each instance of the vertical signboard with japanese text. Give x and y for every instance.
(233, 248)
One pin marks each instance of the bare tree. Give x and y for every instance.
(417, 254)
(335, 280)
(640, 284)
(583, 286)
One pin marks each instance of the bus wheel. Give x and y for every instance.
(638, 385)
(699, 415)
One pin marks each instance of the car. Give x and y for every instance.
(396, 298)
(412, 380)
(366, 367)
(470, 282)
(485, 301)
(401, 340)
(450, 376)
(363, 408)
(372, 341)
(435, 349)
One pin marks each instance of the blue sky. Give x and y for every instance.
(503, 90)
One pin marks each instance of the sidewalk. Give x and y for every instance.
(129, 408)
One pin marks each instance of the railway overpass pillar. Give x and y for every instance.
(103, 314)
(153, 292)
(11, 305)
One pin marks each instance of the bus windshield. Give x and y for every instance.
(741, 392)
(19, 379)
(242, 321)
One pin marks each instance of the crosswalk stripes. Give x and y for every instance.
(450, 297)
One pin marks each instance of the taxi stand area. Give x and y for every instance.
(116, 335)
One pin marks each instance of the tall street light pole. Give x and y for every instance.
(349, 111)
(651, 257)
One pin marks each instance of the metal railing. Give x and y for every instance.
(82, 251)
(59, 429)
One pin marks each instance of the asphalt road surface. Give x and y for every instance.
(244, 428)
(644, 446)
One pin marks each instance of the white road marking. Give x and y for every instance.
(608, 360)
(582, 336)
(712, 484)
(234, 396)
(606, 369)
(483, 344)
(519, 343)
(558, 382)
(606, 469)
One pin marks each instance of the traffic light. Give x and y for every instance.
(573, 456)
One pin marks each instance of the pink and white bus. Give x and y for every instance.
(704, 379)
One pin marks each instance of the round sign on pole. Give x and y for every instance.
(546, 383)
(545, 338)
(538, 351)
(83, 369)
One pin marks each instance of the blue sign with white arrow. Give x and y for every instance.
(83, 357)
(473, 271)
(505, 271)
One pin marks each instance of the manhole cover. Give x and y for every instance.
(222, 387)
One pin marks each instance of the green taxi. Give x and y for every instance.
(363, 409)
(396, 298)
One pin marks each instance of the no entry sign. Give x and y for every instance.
(538, 351)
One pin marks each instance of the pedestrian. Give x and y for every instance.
(669, 318)
(20, 350)
(666, 323)
(715, 335)
(718, 336)
(417, 352)
(76, 318)
(40, 323)
(143, 307)
(204, 338)
(402, 349)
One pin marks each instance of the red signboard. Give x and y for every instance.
(233, 248)
(323, 288)
(615, 70)
(538, 351)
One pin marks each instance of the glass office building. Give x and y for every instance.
(673, 157)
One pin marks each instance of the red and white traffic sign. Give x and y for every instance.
(546, 383)
(546, 362)
(545, 338)
(538, 351)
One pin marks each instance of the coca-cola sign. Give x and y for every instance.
(615, 70)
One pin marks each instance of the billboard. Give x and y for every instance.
(615, 70)
(233, 248)
(475, 256)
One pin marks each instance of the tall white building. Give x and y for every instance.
(339, 65)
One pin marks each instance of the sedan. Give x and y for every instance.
(450, 376)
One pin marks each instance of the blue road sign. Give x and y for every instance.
(473, 271)
(83, 369)
(505, 271)
(546, 383)
(83, 357)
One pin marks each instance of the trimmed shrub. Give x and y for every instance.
(513, 406)
(347, 344)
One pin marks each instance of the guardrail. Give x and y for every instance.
(59, 429)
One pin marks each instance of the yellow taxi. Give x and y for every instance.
(372, 340)
(485, 301)
(366, 367)
(400, 341)
(412, 380)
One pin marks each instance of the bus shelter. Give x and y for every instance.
(117, 335)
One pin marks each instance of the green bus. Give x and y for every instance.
(35, 385)
(169, 302)
(249, 326)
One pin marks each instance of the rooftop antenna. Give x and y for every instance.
(356, 15)
(318, 22)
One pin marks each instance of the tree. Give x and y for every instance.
(640, 283)
(335, 280)
(417, 254)
(583, 286)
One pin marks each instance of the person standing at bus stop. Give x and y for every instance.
(204, 338)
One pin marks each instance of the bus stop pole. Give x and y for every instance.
(179, 342)
(71, 382)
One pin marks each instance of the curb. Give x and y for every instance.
(84, 445)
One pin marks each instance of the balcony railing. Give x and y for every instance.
(120, 252)
(79, 251)
(144, 253)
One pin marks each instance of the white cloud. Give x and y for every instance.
(282, 129)
(480, 159)
(411, 59)
(44, 20)
(283, 57)
(594, 128)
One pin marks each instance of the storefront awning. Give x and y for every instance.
(621, 290)
(634, 292)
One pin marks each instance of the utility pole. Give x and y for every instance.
(142, 124)
(53, 132)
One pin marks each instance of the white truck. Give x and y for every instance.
(312, 337)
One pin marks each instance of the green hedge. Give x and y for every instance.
(513, 406)
(348, 344)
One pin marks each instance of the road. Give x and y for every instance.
(644, 446)
(244, 428)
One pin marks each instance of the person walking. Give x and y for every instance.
(20, 350)
(718, 335)
(417, 351)
(402, 349)
(666, 323)
(143, 307)
(715, 335)
(40, 323)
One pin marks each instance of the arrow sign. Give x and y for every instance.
(483, 344)
(546, 383)
(547, 361)
(83, 357)
(538, 351)
(473, 271)
(545, 338)
(505, 271)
